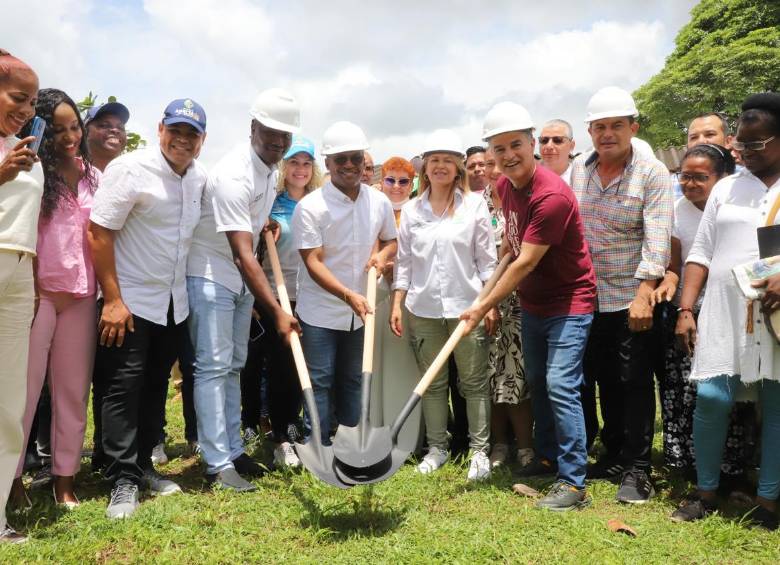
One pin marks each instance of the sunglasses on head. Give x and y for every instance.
(556, 139)
(390, 181)
(355, 159)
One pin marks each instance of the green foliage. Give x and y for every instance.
(729, 49)
(134, 140)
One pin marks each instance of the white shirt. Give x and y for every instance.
(686, 223)
(238, 197)
(20, 204)
(727, 237)
(154, 212)
(347, 232)
(443, 260)
(566, 175)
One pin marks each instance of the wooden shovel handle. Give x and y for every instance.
(284, 300)
(370, 322)
(457, 334)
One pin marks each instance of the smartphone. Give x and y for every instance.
(256, 330)
(37, 128)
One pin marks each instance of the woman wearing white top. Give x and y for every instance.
(732, 348)
(445, 252)
(20, 196)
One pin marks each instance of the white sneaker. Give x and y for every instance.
(480, 467)
(498, 454)
(158, 454)
(525, 456)
(285, 456)
(434, 459)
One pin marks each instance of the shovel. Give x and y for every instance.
(315, 456)
(383, 461)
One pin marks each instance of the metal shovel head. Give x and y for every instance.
(362, 445)
(318, 459)
(374, 474)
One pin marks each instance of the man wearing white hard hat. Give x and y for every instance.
(336, 229)
(553, 275)
(626, 204)
(446, 251)
(224, 279)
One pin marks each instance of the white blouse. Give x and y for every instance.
(443, 260)
(726, 237)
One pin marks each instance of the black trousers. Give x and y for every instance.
(458, 426)
(187, 368)
(135, 383)
(620, 362)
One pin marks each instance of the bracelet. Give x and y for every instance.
(679, 310)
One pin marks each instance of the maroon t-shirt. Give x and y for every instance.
(564, 281)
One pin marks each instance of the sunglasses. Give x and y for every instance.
(390, 181)
(355, 159)
(685, 178)
(556, 139)
(751, 145)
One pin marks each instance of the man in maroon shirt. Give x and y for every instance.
(554, 277)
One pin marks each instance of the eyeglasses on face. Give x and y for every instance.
(390, 181)
(751, 145)
(354, 158)
(556, 139)
(700, 178)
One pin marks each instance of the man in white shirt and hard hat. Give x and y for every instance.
(224, 278)
(336, 230)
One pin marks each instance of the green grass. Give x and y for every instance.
(293, 517)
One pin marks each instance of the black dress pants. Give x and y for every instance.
(620, 362)
(135, 381)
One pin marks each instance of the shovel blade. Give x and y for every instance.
(362, 445)
(318, 459)
(374, 474)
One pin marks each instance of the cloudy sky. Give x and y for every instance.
(398, 69)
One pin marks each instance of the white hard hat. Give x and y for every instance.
(611, 102)
(504, 117)
(343, 136)
(277, 109)
(443, 141)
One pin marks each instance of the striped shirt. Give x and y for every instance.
(628, 225)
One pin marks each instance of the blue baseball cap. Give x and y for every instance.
(185, 111)
(300, 144)
(113, 108)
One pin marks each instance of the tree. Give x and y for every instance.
(134, 140)
(729, 49)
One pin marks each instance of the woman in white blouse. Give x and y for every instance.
(733, 348)
(445, 253)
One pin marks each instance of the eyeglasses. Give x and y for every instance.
(556, 139)
(355, 159)
(390, 181)
(751, 145)
(685, 178)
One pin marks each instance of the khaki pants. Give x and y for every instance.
(471, 358)
(16, 314)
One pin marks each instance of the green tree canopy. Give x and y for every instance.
(729, 49)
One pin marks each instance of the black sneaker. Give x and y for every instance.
(538, 467)
(635, 487)
(563, 497)
(606, 468)
(248, 467)
(760, 517)
(693, 509)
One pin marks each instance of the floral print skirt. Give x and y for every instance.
(505, 363)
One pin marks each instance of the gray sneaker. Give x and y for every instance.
(229, 479)
(563, 497)
(124, 501)
(159, 485)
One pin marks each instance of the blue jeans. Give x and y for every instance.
(553, 349)
(714, 401)
(334, 359)
(219, 327)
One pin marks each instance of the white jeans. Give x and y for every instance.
(16, 314)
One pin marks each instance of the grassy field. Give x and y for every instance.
(292, 517)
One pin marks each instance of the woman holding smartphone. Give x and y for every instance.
(446, 251)
(63, 333)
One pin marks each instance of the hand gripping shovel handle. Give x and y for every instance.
(447, 350)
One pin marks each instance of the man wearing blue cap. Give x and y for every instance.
(141, 227)
(106, 136)
(224, 279)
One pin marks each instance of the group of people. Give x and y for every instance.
(115, 265)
